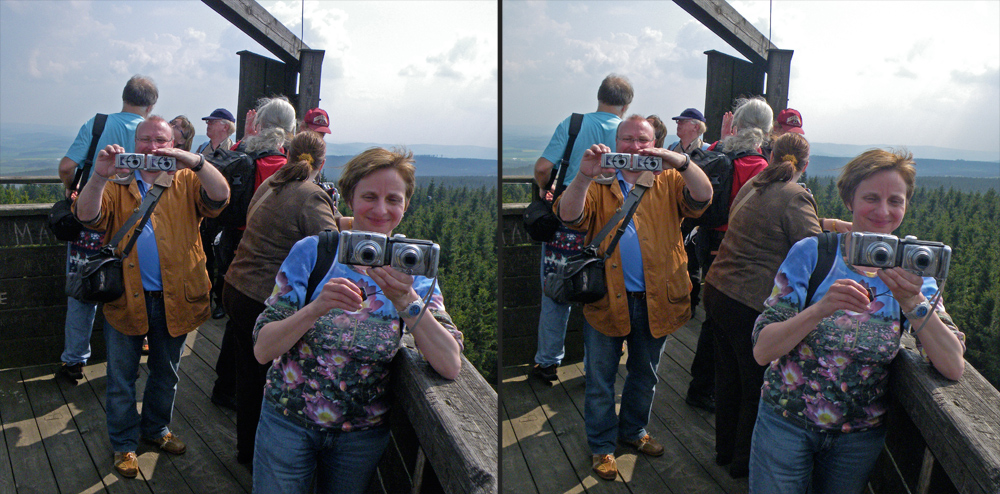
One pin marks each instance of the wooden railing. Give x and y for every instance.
(943, 436)
(450, 426)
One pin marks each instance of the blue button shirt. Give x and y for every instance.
(629, 246)
(149, 254)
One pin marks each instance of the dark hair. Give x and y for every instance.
(305, 155)
(375, 159)
(187, 133)
(874, 161)
(660, 128)
(140, 91)
(615, 91)
(789, 156)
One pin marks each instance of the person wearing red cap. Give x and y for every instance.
(317, 119)
(788, 120)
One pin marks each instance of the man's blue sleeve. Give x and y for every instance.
(78, 150)
(557, 145)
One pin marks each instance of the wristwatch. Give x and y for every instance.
(919, 312)
(414, 308)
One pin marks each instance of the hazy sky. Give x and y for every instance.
(394, 72)
(873, 72)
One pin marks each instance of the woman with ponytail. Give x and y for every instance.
(286, 208)
(769, 214)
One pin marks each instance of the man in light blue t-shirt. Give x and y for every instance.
(613, 98)
(138, 98)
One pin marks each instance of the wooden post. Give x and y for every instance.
(728, 78)
(311, 68)
(260, 77)
(779, 66)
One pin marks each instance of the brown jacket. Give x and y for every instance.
(759, 237)
(182, 261)
(657, 222)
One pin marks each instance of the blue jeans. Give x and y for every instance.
(124, 422)
(552, 319)
(286, 455)
(601, 359)
(785, 458)
(79, 326)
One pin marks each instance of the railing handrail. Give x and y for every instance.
(29, 180)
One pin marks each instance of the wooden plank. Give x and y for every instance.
(24, 225)
(396, 468)
(6, 472)
(521, 260)
(456, 421)
(19, 324)
(40, 291)
(723, 20)
(91, 422)
(522, 291)
(66, 451)
(33, 261)
(200, 369)
(514, 474)
(960, 420)
(261, 26)
(29, 462)
(779, 68)
(310, 72)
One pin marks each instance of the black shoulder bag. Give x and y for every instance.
(100, 278)
(581, 278)
(539, 220)
(61, 220)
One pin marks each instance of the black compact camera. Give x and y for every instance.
(148, 162)
(411, 256)
(887, 251)
(633, 162)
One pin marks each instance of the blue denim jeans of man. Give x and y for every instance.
(786, 458)
(552, 319)
(603, 353)
(79, 326)
(124, 423)
(287, 455)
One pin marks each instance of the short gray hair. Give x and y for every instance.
(753, 120)
(275, 123)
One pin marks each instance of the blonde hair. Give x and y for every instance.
(308, 151)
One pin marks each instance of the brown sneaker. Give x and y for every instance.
(605, 466)
(127, 464)
(646, 445)
(169, 443)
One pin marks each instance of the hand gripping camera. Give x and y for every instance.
(411, 256)
(632, 162)
(148, 162)
(887, 251)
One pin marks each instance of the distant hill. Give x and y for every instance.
(37, 149)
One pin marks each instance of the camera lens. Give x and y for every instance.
(921, 259)
(407, 257)
(367, 252)
(879, 254)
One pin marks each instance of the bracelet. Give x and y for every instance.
(687, 162)
(197, 168)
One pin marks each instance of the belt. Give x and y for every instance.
(637, 295)
(156, 294)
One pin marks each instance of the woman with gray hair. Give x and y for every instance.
(743, 132)
(271, 125)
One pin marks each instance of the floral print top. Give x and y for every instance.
(836, 378)
(336, 376)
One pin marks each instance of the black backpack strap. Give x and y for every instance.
(575, 122)
(325, 251)
(827, 250)
(83, 173)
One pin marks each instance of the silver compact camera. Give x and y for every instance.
(922, 257)
(148, 162)
(632, 162)
(411, 256)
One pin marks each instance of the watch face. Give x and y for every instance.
(921, 311)
(413, 309)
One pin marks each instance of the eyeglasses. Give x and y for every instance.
(149, 140)
(633, 140)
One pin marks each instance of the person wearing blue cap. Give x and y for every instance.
(221, 125)
(690, 127)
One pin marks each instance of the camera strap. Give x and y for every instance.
(144, 212)
(575, 123)
(83, 173)
(626, 211)
(326, 249)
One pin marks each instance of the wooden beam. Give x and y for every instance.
(723, 20)
(310, 72)
(260, 25)
(779, 68)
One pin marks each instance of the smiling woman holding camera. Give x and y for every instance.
(325, 407)
(822, 407)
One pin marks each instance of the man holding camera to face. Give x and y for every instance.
(166, 284)
(646, 278)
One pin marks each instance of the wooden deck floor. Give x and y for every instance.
(55, 436)
(545, 445)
